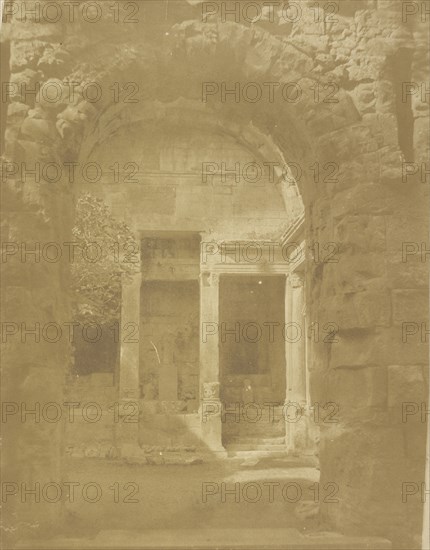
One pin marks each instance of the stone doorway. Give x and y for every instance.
(252, 362)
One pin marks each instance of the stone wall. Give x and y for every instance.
(171, 186)
(370, 210)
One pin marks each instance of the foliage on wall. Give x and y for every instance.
(99, 271)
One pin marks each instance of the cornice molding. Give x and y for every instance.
(296, 231)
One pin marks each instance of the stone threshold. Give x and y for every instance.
(137, 456)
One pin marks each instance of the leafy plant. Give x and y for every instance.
(99, 268)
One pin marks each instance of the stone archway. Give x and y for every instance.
(130, 132)
(369, 368)
(347, 132)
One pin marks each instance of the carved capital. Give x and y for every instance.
(296, 279)
(210, 390)
(208, 278)
(214, 279)
(129, 394)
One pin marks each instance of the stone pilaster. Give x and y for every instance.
(298, 373)
(295, 399)
(211, 407)
(127, 433)
(209, 323)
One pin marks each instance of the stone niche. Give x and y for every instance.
(169, 342)
(169, 351)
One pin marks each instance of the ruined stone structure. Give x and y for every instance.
(160, 124)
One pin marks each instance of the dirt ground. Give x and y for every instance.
(172, 497)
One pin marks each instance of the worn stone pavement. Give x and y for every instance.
(170, 512)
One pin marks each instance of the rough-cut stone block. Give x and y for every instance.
(374, 348)
(361, 233)
(403, 229)
(364, 97)
(359, 310)
(410, 305)
(357, 388)
(405, 383)
(412, 273)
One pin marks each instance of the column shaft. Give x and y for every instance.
(211, 407)
(209, 324)
(298, 367)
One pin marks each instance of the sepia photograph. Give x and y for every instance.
(215, 274)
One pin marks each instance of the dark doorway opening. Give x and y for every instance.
(252, 357)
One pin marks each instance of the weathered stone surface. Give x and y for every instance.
(368, 210)
(358, 389)
(405, 383)
(410, 305)
(382, 347)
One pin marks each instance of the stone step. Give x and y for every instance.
(266, 411)
(254, 430)
(259, 427)
(252, 438)
(247, 415)
(244, 455)
(260, 451)
(230, 421)
(253, 441)
(256, 446)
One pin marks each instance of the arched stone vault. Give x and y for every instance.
(368, 293)
(191, 114)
